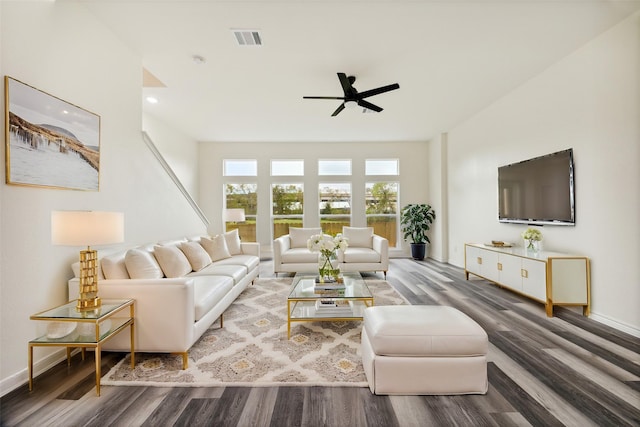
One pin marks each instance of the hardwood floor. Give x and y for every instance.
(565, 370)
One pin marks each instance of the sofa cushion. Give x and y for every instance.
(299, 236)
(209, 291)
(236, 272)
(141, 264)
(248, 261)
(195, 253)
(216, 247)
(359, 237)
(423, 331)
(298, 255)
(172, 261)
(114, 267)
(361, 255)
(233, 242)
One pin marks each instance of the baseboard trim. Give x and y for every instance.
(21, 377)
(631, 330)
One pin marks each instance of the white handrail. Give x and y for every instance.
(176, 180)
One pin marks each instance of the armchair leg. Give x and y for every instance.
(385, 274)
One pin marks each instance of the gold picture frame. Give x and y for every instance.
(50, 143)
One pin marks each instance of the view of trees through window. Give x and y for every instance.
(382, 209)
(287, 207)
(335, 198)
(243, 196)
(335, 206)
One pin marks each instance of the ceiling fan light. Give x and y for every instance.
(350, 104)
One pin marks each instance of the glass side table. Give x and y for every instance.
(84, 329)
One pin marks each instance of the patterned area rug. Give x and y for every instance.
(253, 350)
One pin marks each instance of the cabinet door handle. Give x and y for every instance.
(499, 267)
(524, 273)
(479, 260)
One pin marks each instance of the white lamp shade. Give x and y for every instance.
(234, 215)
(86, 228)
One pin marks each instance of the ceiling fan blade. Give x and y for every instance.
(377, 91)
(349, 91)
(340, 108)
(323, 97)
(369, 106)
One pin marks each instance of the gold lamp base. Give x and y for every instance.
(89, 299)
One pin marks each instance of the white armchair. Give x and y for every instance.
(366, 251)
(290, 252)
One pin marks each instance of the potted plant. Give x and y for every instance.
(415, 220)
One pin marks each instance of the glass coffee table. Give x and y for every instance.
(309, 301)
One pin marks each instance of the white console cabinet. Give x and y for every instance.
(548, 277)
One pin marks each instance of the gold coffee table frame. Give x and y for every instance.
(68, 313)
(301, 302)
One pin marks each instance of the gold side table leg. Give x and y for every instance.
(133, 350)
(98, 353)
(68, 356)
(288, 319)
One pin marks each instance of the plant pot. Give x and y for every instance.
(418, 251)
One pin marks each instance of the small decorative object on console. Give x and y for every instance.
(532, 235)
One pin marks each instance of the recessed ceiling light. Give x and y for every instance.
(152, 100)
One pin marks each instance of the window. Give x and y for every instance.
(381, 200)
(240, 167)
(335, 206)
(334, 167)
(245, 197)
(287, 203)
(381, 167)
(287, 167)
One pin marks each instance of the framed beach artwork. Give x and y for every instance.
(49, 142)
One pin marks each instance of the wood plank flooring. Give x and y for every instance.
(566, 370)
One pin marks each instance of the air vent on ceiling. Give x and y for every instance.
(248, 37)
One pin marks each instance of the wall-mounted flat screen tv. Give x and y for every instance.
(538, 190)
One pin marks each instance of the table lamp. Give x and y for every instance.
(234, 215)
(87, 228)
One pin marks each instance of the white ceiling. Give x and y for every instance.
(451, 59)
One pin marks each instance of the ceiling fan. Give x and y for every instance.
(352, 97)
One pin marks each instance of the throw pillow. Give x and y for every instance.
(172, 261)
(233, 242)
(195, 253)
(141, 265)
(359, 237)
(299, 236)
(114, 267)
(216, 247)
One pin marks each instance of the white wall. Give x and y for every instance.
(61, 49)
(589, 101)
(413, 158)
(179, 151)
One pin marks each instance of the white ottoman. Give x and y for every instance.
(423, 349)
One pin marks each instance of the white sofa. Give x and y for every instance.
(180, 288)
(366, 251)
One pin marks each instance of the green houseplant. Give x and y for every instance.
(415, 221)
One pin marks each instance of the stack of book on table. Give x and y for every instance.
(333, 308)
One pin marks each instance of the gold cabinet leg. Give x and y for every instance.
(185, 360)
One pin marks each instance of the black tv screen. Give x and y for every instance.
(538, 190)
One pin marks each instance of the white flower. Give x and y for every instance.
(532, 234)
(326, 244)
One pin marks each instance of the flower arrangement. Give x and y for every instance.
(327, 247)
(532, 235)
